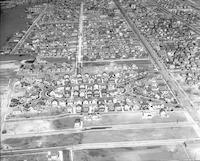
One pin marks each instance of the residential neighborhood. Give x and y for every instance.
(93, 80)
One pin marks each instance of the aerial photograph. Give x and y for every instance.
(100, 80)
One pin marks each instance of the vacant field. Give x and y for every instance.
(31, 157)
(95, 67)
(32, 126)
(135, 118)
(64, 123)
(139, 134)
(44, 141)
(101, 136)
(156, 153)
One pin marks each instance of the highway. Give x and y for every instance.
(181, 95)
(28, 31)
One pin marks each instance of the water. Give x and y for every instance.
(12, 20)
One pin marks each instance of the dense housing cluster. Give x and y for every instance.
(176, 44)
(184, 11)
(126, 81)
(118, 87)
(106, 34)
(103, 80)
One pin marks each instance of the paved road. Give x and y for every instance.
(80, 37)
(181, 95)
(117, 60)
(55, 22)
(28, 32)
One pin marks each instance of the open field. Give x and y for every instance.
(139, 134)
(27, 126)
(39, 125)
(100, 136)
(32, 157)
(32, 126)
(95, 67)
(135, 118)
(37, 156)
(155, 153)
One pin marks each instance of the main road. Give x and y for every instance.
(181, 95)
(80, 37)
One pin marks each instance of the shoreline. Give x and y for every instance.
(13, 20)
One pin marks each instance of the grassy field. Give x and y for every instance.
(156, 153)
(31, 157)
(64, 123)
(37, 156)
(95, 67)
(32, 126)
(135, 118)
(44, 141)
(101, 136)
(139, 134)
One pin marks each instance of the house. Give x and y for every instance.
(117, 106)
(78, 123)
(55, 155)
(78, 108)
(163, 113)
(62, 103)
(101, 107)
(147, 115)
(54, 103)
